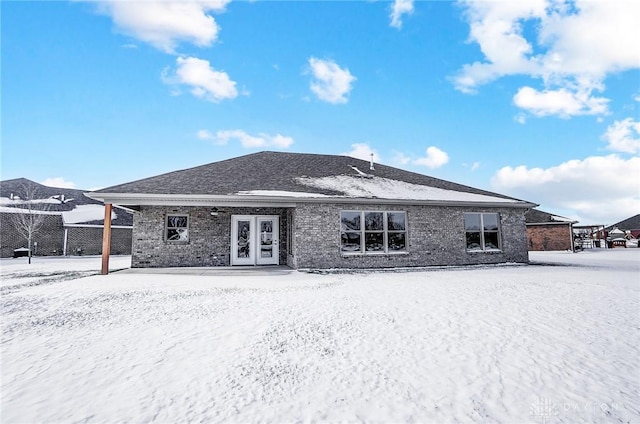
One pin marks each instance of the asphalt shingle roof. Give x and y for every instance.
(632, 223)
(536, 216)
(73, 197)
(274, 171)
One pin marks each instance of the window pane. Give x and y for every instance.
(350, 221)
(244, 237)
(373, 221)
(472, 222)
(266, 226)
(491, 241)
(350, 242)
(397, 242)
(396, 221)
(177, 234)
(473, 241)
(490, 221)
(374, 242)
(177, 221)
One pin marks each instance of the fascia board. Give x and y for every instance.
(135, 199)
(533, 224)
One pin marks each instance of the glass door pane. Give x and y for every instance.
(266, 239)
(267, 252)
(242, 241)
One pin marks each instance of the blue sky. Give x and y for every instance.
(534, 99)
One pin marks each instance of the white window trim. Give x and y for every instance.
(481, 231)
(167, 228)
(384, 231)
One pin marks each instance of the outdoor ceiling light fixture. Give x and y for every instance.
(214, 211)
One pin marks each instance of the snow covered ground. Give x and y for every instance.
(18, 273)
(557, 341)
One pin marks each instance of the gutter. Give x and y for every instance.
(551, 223)
(136, 199)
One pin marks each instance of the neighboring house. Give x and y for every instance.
(546, 231)
(630, 226)
(73, 222)
(315, 212)
(617, 238)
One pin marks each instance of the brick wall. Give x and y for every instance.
(549, 237)
(89, 241)
(435, 237)
(209, 236)
(49, 238)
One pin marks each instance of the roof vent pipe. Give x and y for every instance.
(371, 168)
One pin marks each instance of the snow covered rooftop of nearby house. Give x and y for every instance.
(81, 214)
(86, 213)
(8, 209)
(21, 195)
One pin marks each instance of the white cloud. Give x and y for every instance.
(496, 27)
(600, 189)
(590, 38)
(435, 158)
(475, 166)
(248, 141)
(280, 141)
(58, 182)
(164, 24)
(561, 102)
(400, 158)
(575, 45)
(399, 8)
(205, 82)
(331, 83)
(520, 118)
(363, 151)
(623, 136)
(205, 135)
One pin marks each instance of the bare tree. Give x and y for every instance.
(32, 214)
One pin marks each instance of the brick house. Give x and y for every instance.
(73, 222)
(630, 226)
(546, 231)
(312, 211)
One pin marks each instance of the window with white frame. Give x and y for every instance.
(482, 231)
(371, 232)
(177, 228)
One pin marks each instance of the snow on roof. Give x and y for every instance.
(385, 188)
(560, 218)
(80, 214)
(85, 213)
(7, 209)
(18, 201)
(279, 193)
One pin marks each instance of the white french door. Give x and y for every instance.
(254, 240)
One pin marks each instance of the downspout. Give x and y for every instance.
(64, 241)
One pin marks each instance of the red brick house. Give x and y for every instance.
(546, 231)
